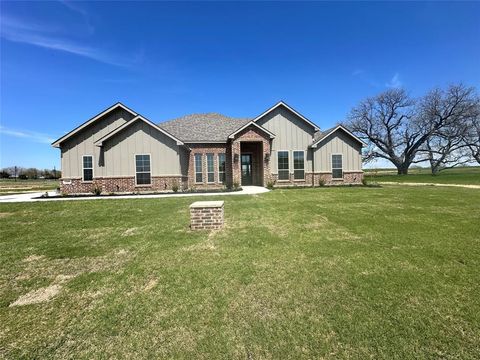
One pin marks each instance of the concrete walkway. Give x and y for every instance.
(30, 197)
(429, 184)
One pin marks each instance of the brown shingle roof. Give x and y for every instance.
(319, 135)
(203, 127)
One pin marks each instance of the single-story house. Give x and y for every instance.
(119, 150)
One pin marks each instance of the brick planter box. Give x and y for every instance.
(206, 215)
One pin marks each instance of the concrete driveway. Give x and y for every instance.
(32, 197)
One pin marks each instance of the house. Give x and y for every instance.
(120, 150)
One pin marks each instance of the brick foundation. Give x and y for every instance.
(313, 179)
(122, 185)
(206, 215)
(349, 178)
(204, 149)
(251, 134)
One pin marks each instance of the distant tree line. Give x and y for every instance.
(29, 173)
(441, 128)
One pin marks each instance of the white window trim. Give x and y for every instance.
(206, 167)
(293, 164)
(135, 164)
(331, 166)
(93, 169)
(289, 167)
(218, 167)
(195, 167)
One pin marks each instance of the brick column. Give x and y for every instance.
(206, 215)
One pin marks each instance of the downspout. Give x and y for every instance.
(313, 167)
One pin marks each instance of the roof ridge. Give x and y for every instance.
(208, 115)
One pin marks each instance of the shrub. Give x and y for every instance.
(271, 185)
(96, 191)
(321, 181)
(4, 174)
(364, 181)
(175, 187)
(236, 186)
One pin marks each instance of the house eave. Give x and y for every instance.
(100, 141)
(58, 142)
(251, 123)
(282, 103)
(339, 127)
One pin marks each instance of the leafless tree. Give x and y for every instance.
(473, 139)
(446, 149)
(398, 128)
(448, 113)
(387, 123)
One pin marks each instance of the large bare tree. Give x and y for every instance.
(449, 113)
(386, 122)
(473, 139)
(447, 148)
(397, 127)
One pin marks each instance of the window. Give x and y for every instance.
(299, 165)
(87, 168)
(142, 169)
(337, 168)
(221, 168)
(210, 169)
(283, 165)
(198, 168)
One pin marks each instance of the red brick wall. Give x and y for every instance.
(292, 182)
(250, 134)
(349, 177)
(204, 149)
(206, 218)
(122, 184)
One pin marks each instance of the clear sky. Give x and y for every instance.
(63, 62)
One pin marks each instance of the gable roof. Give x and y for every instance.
(112, 133)
(251, 123)
(57, 142)
(285, 105)
(319, 136)
(205, 128)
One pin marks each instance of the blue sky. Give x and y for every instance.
(63, 62)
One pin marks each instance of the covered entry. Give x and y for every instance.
(251, 163)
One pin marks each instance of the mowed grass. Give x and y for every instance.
(10, 186)
(388, 272)
(461, 175)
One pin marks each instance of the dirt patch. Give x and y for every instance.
(150, 285)
(207, 245)
(64, 269)
(5, 214)
(278, 229)
(63, 278)
(34, 258)
(317, 222)
(130, 232)
(38, 296)
(60, 271)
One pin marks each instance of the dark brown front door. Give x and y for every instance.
(246, 169)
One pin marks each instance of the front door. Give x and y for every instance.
(246, 169)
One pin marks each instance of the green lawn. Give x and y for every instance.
(10, 186)
(352, 272)
(461, 175)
